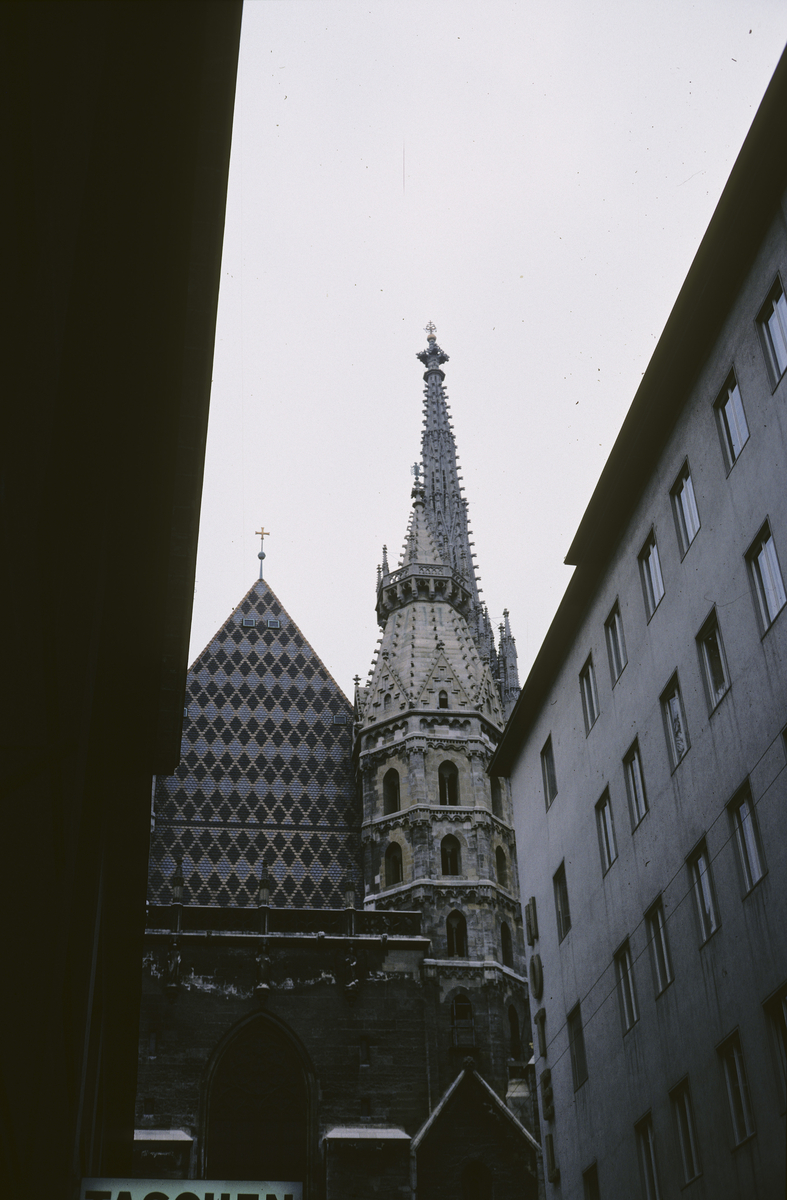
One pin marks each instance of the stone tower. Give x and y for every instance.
(437, 831)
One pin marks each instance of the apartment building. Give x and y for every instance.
(647, 754)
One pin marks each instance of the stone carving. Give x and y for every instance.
(172, 969)
(264, 965)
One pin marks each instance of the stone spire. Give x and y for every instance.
(445, 510)
(445, 505)
(508, 671)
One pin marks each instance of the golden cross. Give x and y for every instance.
(262, 533)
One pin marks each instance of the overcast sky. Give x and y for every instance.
(534, 177)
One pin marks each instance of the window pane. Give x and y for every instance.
(737, 1089)
(606, 832)
(734, 420)
(615, 643)
(577, 1047)
(587, 687)
(684, 1123)
(675, 721)
(688, 505)
(651, 575)
(655, 567)
(714, 667)
(625, 974)
(657, 931)
(561, 902)
(548, 772)
(716, 677)
(636, 787)
(647, 1158)
(590, 1183)
(743, 821)
(685, 507)
(777, 329)
(771, 580)
(776, 1009)
(703, 894)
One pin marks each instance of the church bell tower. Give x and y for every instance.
(437, 831)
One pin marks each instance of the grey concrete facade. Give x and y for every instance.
(667, 947)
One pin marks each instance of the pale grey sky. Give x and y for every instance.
(533, 177)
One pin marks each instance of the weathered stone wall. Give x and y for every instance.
(369, 1051)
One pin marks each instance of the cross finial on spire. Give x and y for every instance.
(262, 533)
(416, 470)
(430, 329)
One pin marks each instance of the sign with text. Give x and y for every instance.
(189, 1189)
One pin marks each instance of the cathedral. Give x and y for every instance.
(334, 991)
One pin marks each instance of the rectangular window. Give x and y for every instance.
(340, 718)
(713, 662)
(766, 577)
(561, 902)
(684, 507)
(731, 421)
(659, 946)
(624, 973)
(702, 886)
(616, 645)
(683, 1115)
(635, 785)
(590, 1188)
(646, 1152)
(531, 921)
(249, 622)
(776, 1012)
(587, 687)
(747, 838)
(674, 721)
(650, 572)
(273, 624)
(553, 1170)
(576, 1042)
(731, 1058)
(606, 832)
(772, 324)
(548, 772)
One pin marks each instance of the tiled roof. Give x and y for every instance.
(264, 770)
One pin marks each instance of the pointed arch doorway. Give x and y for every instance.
(259, 1105)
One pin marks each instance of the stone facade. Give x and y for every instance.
(287, 1034)
(437, 833)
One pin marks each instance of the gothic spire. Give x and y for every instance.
(445, 506)
(507, 667)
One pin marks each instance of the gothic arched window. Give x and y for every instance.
(387, 700)
(451, 856)
(501, 866)
(515, 1045)
(462, 1033)
(506, 946)
(448, 778)
(497, 797)
(442, 700)
(393, 865)
(391, 791)
(456, 935)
